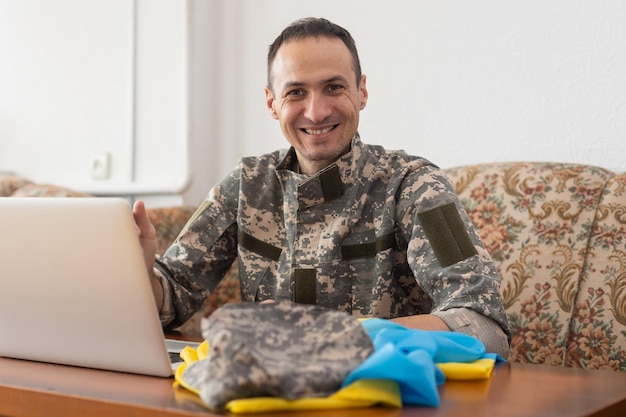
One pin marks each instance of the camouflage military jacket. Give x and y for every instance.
(366, 236)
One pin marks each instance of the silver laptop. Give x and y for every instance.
(74, 289)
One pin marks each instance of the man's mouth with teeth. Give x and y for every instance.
(318, 131)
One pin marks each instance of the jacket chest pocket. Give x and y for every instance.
(361, 280)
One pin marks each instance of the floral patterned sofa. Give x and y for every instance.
(557, 233)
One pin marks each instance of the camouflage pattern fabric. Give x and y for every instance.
(279, 349)
(354, 228)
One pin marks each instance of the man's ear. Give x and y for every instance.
(269, 101)
(363, 91)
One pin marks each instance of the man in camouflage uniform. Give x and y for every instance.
(333, 221)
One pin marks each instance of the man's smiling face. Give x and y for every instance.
(315, 96)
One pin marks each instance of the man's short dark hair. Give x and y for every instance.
(311, 27)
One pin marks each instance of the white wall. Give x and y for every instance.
(84, 77)
(456, 81)
(461, 81)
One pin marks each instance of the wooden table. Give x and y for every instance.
(39, 389)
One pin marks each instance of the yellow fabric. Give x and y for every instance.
(190, 355)
(360, 394)
(179, 380)
(479, 369)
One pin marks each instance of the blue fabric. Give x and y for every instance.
(409, 357)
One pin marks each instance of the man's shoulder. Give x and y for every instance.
(264, 161)
(395, 158)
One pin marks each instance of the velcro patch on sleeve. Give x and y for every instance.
(447, 234)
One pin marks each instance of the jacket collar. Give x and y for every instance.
(325, 185)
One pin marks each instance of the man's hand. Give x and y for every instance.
(147, 239)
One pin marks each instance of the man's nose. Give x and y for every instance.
(318, 108)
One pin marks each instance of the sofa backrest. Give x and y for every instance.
(597, 334)
(535, 219)
(13, 186)
(10, 183)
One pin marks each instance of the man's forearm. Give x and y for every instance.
(423, 322)
(470, 322)
(463, 321)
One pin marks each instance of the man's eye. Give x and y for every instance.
(335, 87)
(294, 93)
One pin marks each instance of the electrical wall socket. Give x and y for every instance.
(101, 166)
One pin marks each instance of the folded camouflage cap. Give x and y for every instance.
(281, 349)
